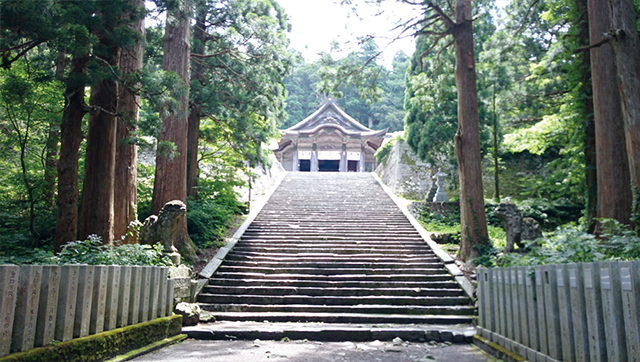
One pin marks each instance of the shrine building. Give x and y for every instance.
(329, 140)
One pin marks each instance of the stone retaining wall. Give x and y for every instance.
(570, 312)
(40, 304)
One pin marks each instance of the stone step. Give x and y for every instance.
(343, 249)
(365, 257)
(330, 244)
(338, 235)
(331, 264)
(341, 318)
(330, 300)
(449, 284)
(349, 277)
(328, 291)
(369, 309)
(331, 332)
(332, 271)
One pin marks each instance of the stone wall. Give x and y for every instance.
(405, 174)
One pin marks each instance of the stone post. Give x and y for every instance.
(630, 287)
(361, 164)
(441, 195)
(593, 303)
(495, 290)
(24, 322)
(48, 305)
(162, 304)
(522, 305)
(154, 293)
(578, 312)
(134, 295)
(508, 304)
(125, 295)
(566, 318)
(113, 297)
(83, 302)
(99, 303)
(554, 342)
(532, 311)
(67, 297)
(170, 296)
(9, 275)
(612, 311)
(542, 321)
(145, 294)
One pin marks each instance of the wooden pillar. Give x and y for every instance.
(314, 159)
(343, 159)
(295, 166)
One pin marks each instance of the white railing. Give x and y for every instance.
(43, 303)
(569, 312)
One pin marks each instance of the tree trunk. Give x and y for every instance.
(614, 190)
(97, 192)
(591, 174)
(70, 139)
(199, 39)
(171, 169)
(467, 139)
(125, 185)
(626, 51)
(53, 146)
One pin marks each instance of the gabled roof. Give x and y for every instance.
(329, 115)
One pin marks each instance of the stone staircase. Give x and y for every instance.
(334, 248)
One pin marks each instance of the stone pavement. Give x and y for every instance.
(305, 351)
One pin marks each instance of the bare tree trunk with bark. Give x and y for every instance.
(193, 133)
(126, 178)
(97, 192)
(53, 145)
(591, 174)
(171, 169)
(614, 190)
(467, 139)
(70, 138)
(626, 51)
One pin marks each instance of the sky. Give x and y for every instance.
(317, 23)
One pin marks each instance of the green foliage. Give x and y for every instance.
(383, 152)
(550, 214)
(571, 244)
(93, 252)
(209, 216)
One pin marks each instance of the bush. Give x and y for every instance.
(208, 217)
(93, 252)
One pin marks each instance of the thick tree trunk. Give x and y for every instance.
(70, 138)
(626, 50)
(614, 191)
(97, 192)
(467, 139)
(171, 170)
(125, 185)
(591, 174)
(193, 137)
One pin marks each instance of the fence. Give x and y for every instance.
(43, 303)
(570, 312)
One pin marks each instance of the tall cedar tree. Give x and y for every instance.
(614, 190)
(197, 75)
(97, 192)
(125, 188)
(626, 50)
(171, 166)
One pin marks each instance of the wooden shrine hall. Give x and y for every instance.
(329, 140)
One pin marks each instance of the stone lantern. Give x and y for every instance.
(440, 196)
